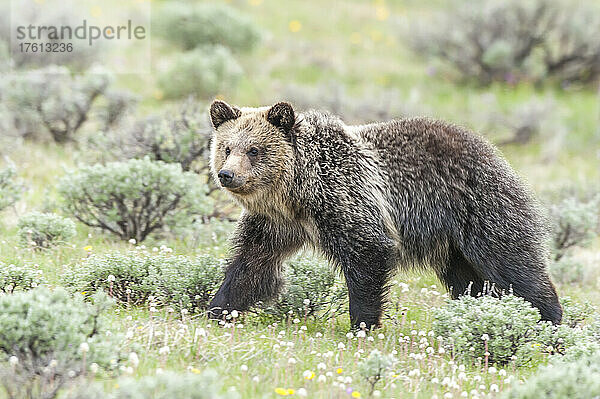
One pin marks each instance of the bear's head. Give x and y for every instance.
(252, 149)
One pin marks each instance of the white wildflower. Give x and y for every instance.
(164, 350)
(134, 359)
(94, 368)
(84, 347)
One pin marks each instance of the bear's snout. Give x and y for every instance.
(230, 180)
(226, 177)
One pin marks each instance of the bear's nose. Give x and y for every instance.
(225, 177)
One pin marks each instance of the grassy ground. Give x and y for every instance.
(257, 358)
(359, 45)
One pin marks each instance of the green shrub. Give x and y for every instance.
(567, 270)
(82, 55)
(132, 277)
(536, 117)
(10, 187)
(193, 25)
(509, 324)
(573, 223)
(373, 368)
(19, 278)
(168, 385)
(562, 339)
(53, 100)
(514, 40)
(203, 72)
(571, 338)
(43, 230)
(575, 313)
(180, 136)
(116, 104)
(579, 379)
(51, 338)
(134, 198)
(188, 283)
(581, 349)
(10, 139)
(310, 289)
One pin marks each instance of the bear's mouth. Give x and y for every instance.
(239, 190)
(233, 184)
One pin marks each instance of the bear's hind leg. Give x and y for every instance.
(521, 273)
(459, 276)
(534, 285)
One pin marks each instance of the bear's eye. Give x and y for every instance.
(253, 152)
(227, 151)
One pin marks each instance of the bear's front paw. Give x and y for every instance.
(216, 313)
(218, 307)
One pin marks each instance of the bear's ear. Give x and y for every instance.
(282, 116)
(221, 112)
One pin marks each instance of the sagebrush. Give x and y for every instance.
(310, 289)
(19, 277)
(44, 230)
(133, 198)
(51, 338)
(192, 25)
(52, 100)
(504, 328)
(203, 72)
(511, 41)
(138, 277)
(11, 187)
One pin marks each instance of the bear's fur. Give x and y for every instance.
(405, 193)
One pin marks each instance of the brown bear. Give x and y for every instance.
(374, 198)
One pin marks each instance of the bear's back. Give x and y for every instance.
(424, 138)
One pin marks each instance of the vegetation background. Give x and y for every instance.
(113, 236)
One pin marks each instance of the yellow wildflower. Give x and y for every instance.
(290, 391)
(339, 370)
(295, 26)
(281, 391)
(96, 11)
(158, 94)
(88, 248)
(355, 394)
(382, 13)
(195, 370)
(355, 38)
(376, 35)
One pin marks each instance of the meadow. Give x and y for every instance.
(113, 236)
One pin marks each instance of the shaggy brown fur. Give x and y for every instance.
(372, 198)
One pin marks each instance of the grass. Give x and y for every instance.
(256, 358)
